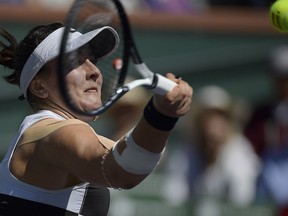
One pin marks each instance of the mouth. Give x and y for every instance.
(91, 90)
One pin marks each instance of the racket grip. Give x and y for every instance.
(162, 85)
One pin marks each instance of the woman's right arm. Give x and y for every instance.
(78, 149)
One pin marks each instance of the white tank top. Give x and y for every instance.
(71, 199)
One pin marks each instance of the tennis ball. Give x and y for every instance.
(279, 15)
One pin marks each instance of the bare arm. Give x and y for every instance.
(84, 152)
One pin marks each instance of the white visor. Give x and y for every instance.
(49, 49)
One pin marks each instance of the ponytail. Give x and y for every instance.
(7, 53)
(14, 55)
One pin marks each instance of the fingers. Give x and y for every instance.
(174, 78)
(182, 90)
(184, 97)
(177, 102)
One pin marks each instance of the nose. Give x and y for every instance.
(92, 72)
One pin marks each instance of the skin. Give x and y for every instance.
(215, 130)
(73, 154)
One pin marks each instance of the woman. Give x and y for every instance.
(57, 164)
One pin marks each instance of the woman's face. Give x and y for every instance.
(215, 129)
(83, 83)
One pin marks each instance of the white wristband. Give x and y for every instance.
(135, 159)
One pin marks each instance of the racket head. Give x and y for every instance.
(109, 56)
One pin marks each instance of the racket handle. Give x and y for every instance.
(162, 85)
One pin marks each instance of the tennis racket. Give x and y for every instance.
(87, 15)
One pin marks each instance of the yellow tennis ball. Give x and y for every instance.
(279, 15)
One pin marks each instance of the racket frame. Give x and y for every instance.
(158, 83)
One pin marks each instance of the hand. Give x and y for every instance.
(177, 102)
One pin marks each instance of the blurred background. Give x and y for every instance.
(229, 155)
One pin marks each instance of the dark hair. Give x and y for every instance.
(14, 55)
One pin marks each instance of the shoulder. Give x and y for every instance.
(240, 150)
(239, 144)
(71, 130)
(74, 135)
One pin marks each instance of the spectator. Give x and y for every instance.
(249, 3)
(12, 2)
(220, 162)
(268, 131)
(169, 5)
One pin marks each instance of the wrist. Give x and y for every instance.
(157, 119)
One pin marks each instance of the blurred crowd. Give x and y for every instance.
(156, 5)
(236, 152)
(268, 132)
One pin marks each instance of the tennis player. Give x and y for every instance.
(57, 164)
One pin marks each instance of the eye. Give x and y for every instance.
(93, 59)
(86, 52)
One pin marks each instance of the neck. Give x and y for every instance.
(66, 113)
(59, 110)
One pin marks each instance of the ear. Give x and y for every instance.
(37, 88)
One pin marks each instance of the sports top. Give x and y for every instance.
(19, 197)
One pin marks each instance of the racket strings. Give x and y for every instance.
(95, 14)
